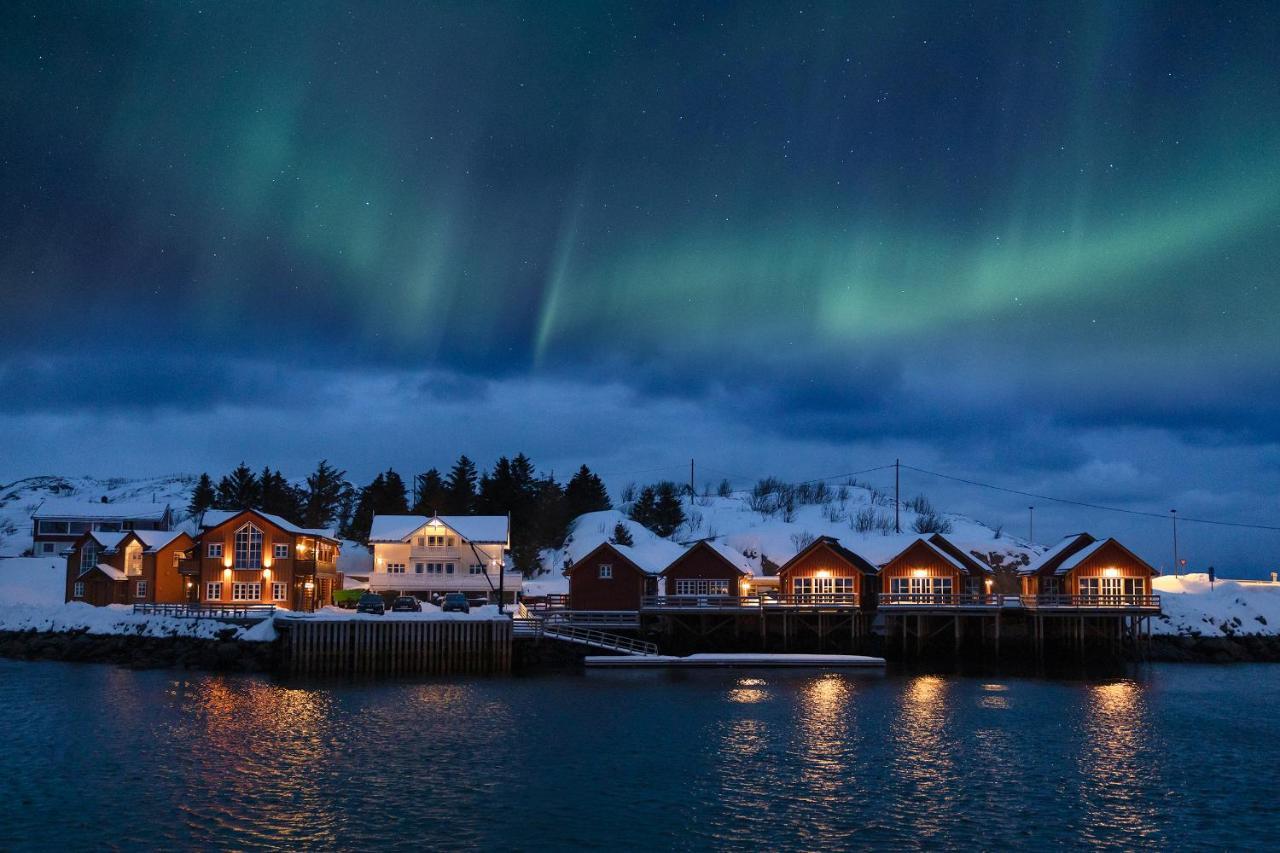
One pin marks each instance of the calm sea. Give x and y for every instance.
(1163, 757)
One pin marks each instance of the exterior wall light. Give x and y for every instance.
(919, 573)
(1111, 573)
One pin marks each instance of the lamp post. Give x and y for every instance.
(501, 590)
(1173, 514)
(1031, 523)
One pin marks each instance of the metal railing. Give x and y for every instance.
(208, 611)
(615, 618)
(549, 602)
(598, 639)
(934, 599)
(1099, 602)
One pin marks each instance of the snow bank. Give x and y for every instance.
(33, 580)
(115, 619)
(1192, 607)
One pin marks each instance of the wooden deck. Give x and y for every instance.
(747, 604)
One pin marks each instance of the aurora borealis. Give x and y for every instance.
(1031, 243)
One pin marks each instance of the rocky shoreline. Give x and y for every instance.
(1244, 648)
(221, 654)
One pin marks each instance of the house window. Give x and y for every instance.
(422, 540)
(279, 591)
(476, 569)
(395, 568)
(88, 557)
(77, 589)
(246, 591)
(1135, 586)
(46, 547)
(177, 558)
(280, 550)
(606, 572)
(802, 586)
(844, 586)
(213, 591)
(215, 550)
(1090, 586)
(55, 527)
(1050, 586)
(140, 589)
(701, 586)
(248, 547)
(418, 568)
(133, 560)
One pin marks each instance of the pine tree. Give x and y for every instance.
(460, 488)
(396, 499)
(203, 496)
(432, 495)
(278, 496)
(384, 496)
(239, 490)
(668, 513)
(323, 496)
(586, 493)
(644, 509)
(621, 535)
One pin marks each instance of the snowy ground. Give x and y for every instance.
(1192, 607)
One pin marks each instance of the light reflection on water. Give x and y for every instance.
(787, 760)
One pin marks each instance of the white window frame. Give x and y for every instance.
(246, 591)
(89, 556)
(77, 589)
(213, 591)
(280, 551)
(248, 547)
(476, 569)
(214, 551)
(395, 568)
(279, 591)
(605, 572)
(140, 589)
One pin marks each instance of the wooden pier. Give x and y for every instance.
(389, 646)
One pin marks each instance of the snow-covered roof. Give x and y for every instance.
(484, 529)
(154, 540)
(214, 517)
(1079, 557)
(647, 560)
(76, 508)
(109, 539)
(111, 572)
(729, 554)
(1057, 552)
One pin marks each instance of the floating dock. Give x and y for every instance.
(754, 661)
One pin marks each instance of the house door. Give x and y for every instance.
(1111, 589)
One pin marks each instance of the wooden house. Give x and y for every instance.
(1081, 571)
(825, 572)
(58, 524)
(708, 568)
(128, 567)
(251, 557)
(933, 571)
(610, 577)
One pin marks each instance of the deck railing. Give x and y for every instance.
(722, 602)
(548, 602)
(614, 618)
(1089, 602)
(933, 599)
(208, 611)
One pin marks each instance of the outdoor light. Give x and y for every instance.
(308, 586)
(919, 573)
(227, 571)
(266, 573)
(1111, 573)
(266, 564)
(989, 582)
(824, 573)
(226, 561)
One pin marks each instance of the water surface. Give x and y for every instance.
(1173, 756)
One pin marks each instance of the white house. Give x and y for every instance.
(427, 557)
(57, 523)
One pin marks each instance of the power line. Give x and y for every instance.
(1088, 505)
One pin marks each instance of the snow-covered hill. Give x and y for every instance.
(862, 520)
(19, 499)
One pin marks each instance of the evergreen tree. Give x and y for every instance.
(323, 496)
(396, 499)
(384, 496)
(203, 496)
(621, 535)
(239, 490)
(644, 509)
(432, 495)
(586, 493)
(668, 513)
(461, 488)
(278, 496)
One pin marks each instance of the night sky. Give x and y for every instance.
(1032, 244)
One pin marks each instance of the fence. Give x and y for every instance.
(395, 646)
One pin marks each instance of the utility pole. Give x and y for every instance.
(897, 496)
(1031, 525)
(1173, 514)
(692, 491)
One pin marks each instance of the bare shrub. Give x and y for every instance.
(802, 540)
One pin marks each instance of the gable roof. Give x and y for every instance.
(856, 560)
(729, 556)
(622, 552)
(217, 517)
(78, 508)
(966, 562)
(109, 539)
(110, 571)
(1049, 561)
(481, 529)
(154, 540)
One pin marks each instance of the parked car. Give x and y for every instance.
(406, 604)
(371, 603)
(455, 602)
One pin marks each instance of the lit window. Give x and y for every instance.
(77, 590)
(215, 550)
(281, 550)
(140, 589)
(606, 571)
(246, 591)
(278, 591)
(248, 547)
(213, 591)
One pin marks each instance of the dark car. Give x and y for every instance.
(371, 603)
(455, 602)
(406, 604)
